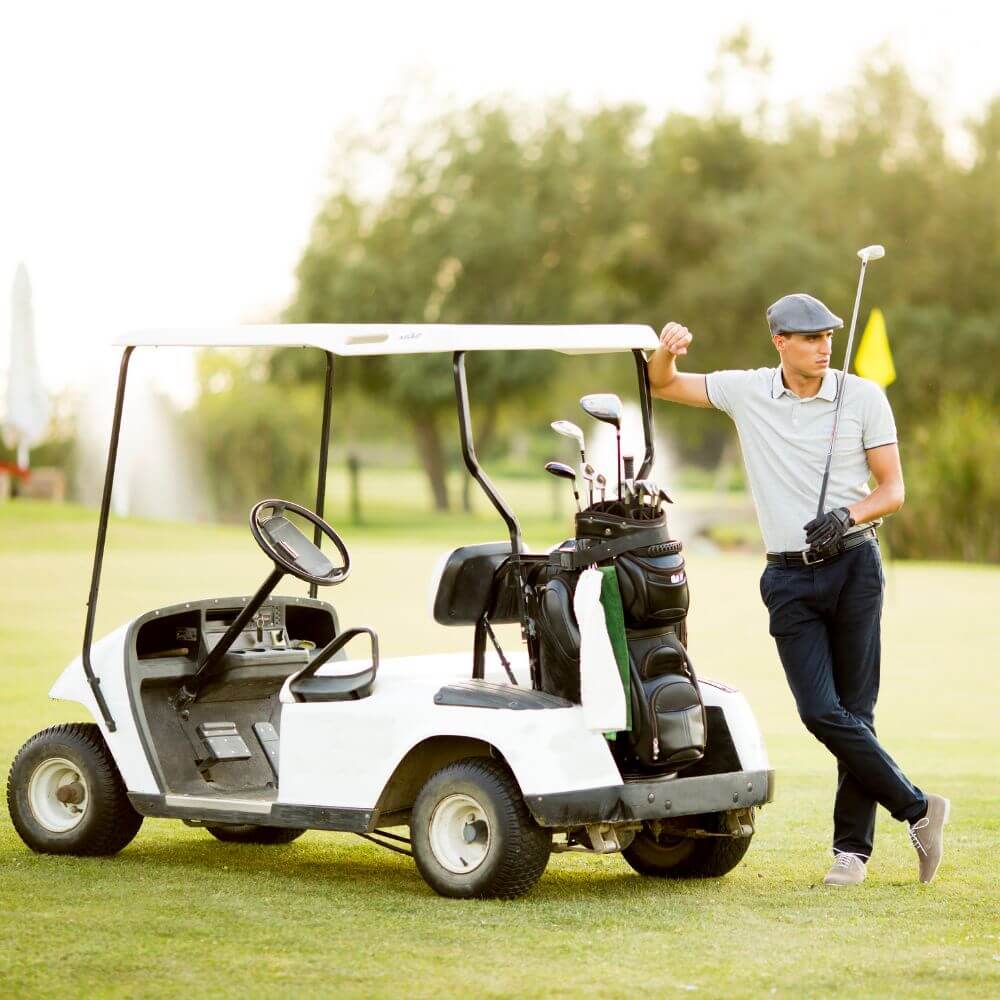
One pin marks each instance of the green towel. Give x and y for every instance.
(614, 617)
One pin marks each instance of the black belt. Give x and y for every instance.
(787, 559)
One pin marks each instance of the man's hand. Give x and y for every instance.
(824, 533)
(665, 381)
(674, 339)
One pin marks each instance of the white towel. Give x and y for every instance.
(601, 691)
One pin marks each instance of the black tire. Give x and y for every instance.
(687, 857)
(107, 820)
(515, 849)
(248, 833)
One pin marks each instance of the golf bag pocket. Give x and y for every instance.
(654, 589)
(669, 726)
(559, 639)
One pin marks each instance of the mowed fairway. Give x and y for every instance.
(178, 912)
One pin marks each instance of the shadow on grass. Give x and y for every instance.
(343, 866)
(330, 863)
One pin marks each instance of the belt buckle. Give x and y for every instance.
(811, 562)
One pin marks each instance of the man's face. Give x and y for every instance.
(806, 354)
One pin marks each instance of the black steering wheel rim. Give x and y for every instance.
(338, 575)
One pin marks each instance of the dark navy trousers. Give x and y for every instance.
(826, 622)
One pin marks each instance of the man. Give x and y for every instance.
(823, 581)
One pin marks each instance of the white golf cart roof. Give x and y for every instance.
(353, 339)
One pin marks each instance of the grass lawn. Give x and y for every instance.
(330, 914)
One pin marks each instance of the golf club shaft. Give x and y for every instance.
(842, 392)
(589, 474)
(618, 467)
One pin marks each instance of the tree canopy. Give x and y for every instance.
(502, 214)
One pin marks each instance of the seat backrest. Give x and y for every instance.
(461, 587)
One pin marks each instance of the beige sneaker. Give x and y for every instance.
(927, 836)
(847, 869)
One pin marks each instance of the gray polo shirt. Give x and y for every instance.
(785, 441)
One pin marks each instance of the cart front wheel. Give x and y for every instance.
(472, 834)
(65, 794)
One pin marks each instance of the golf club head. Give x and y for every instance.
(561, 470)
(874, 252)
(641, 488)
(603, 406)
(589, 473)
(601, 482)
(568, 429)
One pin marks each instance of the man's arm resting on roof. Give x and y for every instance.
(887, 497)
(665, 381)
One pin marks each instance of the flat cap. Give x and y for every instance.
(801, 313)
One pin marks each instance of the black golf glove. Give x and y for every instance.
(824, 533)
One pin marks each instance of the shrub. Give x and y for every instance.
(952, 470)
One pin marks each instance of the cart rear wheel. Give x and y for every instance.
(248, 833)
(472, 834)
(675, 856)
(65, 794)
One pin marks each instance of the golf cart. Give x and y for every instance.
(244, 716)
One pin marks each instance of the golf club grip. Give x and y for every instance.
(822, 491)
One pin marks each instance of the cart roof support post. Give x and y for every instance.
(646, 406)
(102, 531)
(324, 449)
(510, 519)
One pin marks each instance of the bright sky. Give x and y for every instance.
(163, 161)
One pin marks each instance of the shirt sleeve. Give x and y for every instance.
(726, 390)
(879, 423)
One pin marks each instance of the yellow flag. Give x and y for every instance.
(874, 359)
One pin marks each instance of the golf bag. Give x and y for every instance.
(667, 715)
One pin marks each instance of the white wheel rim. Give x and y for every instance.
(43, 788)
(460, 834)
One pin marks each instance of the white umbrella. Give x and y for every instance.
(27, 403)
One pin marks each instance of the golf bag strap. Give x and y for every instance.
(600, 551)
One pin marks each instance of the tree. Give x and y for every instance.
(484, 223)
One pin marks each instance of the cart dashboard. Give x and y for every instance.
(191, 630)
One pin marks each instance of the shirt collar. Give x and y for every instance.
(827, 391)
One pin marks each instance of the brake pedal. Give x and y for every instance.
(222, 742)
(268, 738)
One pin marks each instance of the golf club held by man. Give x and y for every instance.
(811, 439)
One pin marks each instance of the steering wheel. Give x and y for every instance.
(290, 550)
